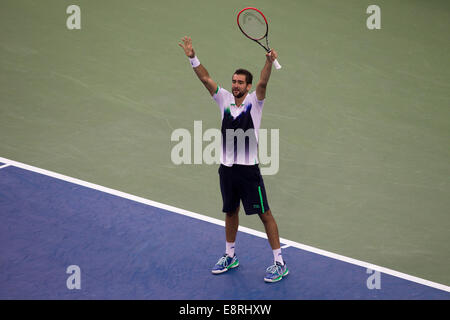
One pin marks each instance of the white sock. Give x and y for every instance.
(230, 249)
(277, 256)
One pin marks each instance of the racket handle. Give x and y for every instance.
(276, 64)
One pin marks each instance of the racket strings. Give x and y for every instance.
(253, 25)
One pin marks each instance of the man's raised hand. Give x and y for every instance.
(272, 55)
(187, 46)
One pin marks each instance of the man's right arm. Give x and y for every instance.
(199, 70)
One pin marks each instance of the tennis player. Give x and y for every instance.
(240, 177)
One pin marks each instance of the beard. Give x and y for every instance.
(240, 94)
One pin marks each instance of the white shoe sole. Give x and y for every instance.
(225, 269)
(279, 279)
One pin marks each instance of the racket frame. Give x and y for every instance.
(266, 35)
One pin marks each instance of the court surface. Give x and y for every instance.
(363, 172)
(127, 248)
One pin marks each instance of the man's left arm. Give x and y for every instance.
(265, 75)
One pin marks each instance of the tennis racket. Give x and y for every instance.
(254, 26)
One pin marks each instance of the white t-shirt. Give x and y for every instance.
(240, 126)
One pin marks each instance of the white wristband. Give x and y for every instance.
(194, 62)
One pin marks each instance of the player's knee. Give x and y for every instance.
(232, 213)
(266, 216)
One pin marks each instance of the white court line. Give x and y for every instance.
(4, 166)
(222, 223)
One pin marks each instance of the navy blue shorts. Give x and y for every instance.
(240, 182)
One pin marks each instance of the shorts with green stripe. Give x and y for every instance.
(242, 182)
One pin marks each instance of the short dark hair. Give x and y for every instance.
(248, 75)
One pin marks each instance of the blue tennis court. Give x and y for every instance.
(126, 248)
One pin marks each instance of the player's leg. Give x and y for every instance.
(279, 269)
(231, 228)
(270, 225)
(254, 199)
(229, 260)
(231, 209)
